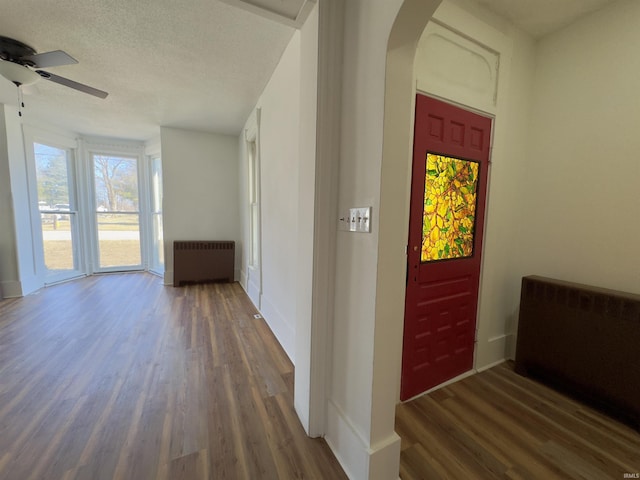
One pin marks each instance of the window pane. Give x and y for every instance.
(119, 239)
(117, 216)
(116, 183)
(57, 241)
(51, 176)
(449, 208)
(54, 204)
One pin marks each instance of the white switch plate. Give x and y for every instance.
(360, 219)
(344, 223)
(356, 219)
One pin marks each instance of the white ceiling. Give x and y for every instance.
(541, 17)
(197, 64)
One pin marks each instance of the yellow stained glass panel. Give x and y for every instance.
(449, 208)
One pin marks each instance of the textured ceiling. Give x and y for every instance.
(541, 17)
(290, 12)
(197, 64)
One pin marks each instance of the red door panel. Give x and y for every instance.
(448, 192)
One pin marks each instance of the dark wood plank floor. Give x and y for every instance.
(119, 377)
(497, 424)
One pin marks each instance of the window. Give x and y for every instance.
(449, 208)
(117, 211)
(54, 174)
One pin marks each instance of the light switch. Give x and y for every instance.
(357, 219)
(361, 219)
(344, 222)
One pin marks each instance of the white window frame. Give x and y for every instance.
(117, 148)
(34, 135)
(254, 211)
(156, 268)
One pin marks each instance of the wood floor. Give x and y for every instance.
(119, 377)
(498, 424)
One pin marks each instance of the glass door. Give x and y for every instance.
(58, 212)
(117, 212)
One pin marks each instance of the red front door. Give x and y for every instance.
(448, 192)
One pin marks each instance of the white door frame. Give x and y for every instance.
(254, 258)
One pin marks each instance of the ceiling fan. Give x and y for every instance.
(20, 64)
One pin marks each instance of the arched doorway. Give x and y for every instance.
(395, 183)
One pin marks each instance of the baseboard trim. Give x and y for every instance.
(384, 458)
(510, 346)
(358, 460)
(11, 289)
(345, 442)
(243, 280)
(462, 376)
(279, 326)
(253, 291)
(493, 350)
(491, 365)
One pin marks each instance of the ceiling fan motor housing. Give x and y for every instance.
(14, 51)
(17, 60)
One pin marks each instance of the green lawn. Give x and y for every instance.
(113, 253)
(58, 253)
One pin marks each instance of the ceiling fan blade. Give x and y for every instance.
(70, 83)
(49, 59)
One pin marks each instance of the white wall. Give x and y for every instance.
(279, 169)
(305, 211)
(200, 183)
(366, 446)
(286, 137)
(581, 201)
(501, 273)
(27, 280)
(279, 188)
(9, 279)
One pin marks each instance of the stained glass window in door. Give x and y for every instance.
(449, 208)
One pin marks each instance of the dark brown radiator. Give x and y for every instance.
(583, 340)
(201, 261)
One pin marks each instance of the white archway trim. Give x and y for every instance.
(367, 340)
(394, 218)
